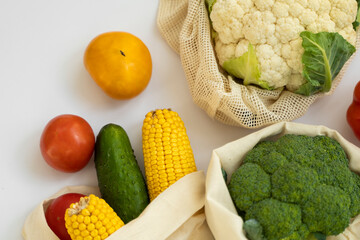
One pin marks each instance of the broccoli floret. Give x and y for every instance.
(333, 149)
(258, 151)
(356, 178)
(329, 160)
(355, 202)
(339, 175)
(294, 236)
(300, 234)
(265, 155)
(303, 231)
(293, 183)
(291, 145)
(311, 173)
(270, 161)
(355, 196)
(264, 144)
(254, 231)
(306, 159)
(327, 210)
(249, 184)
(277, 218)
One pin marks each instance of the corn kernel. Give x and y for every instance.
(91, 208)
(162, 171)
(87, 220)
(85, 233)
(108, 225)
(80, 218)
(82, 226)
(105, 221)
(93, 219)
(98, 225)
(104, 235)
(76, 232)
(85, 212)
(94, 233)
(75, 225)
(102, 230)
(91, 227)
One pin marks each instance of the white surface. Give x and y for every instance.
(42, 75)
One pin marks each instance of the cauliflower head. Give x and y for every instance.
(273, 28)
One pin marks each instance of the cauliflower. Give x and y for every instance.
(295, 186)
(273, 28)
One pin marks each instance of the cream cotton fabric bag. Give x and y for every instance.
(176, 214)
(220, 211)
(185, 26)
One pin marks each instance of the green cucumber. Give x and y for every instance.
(121, 182)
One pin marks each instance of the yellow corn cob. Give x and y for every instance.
(91, 219)
(167, 152)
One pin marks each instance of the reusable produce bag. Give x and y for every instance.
(220, 211)
(184, 24)
(177, 213)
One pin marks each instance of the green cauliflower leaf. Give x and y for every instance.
(246, 67)
(325, 53)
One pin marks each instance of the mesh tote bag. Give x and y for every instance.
(184, 24)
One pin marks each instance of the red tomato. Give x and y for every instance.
(55, 213)
(353, 112)
(67, 143)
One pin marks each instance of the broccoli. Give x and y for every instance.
(254, 231)
(249, 184)
(337, 174)
(270, 161)
(332, 147)
(262, 148)
(291, 145)
(355, 202)
(296, 187)
(327, 210)
(354, 196)
(293, 183)
(356, 179)
(278, 219)
(301, 233)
